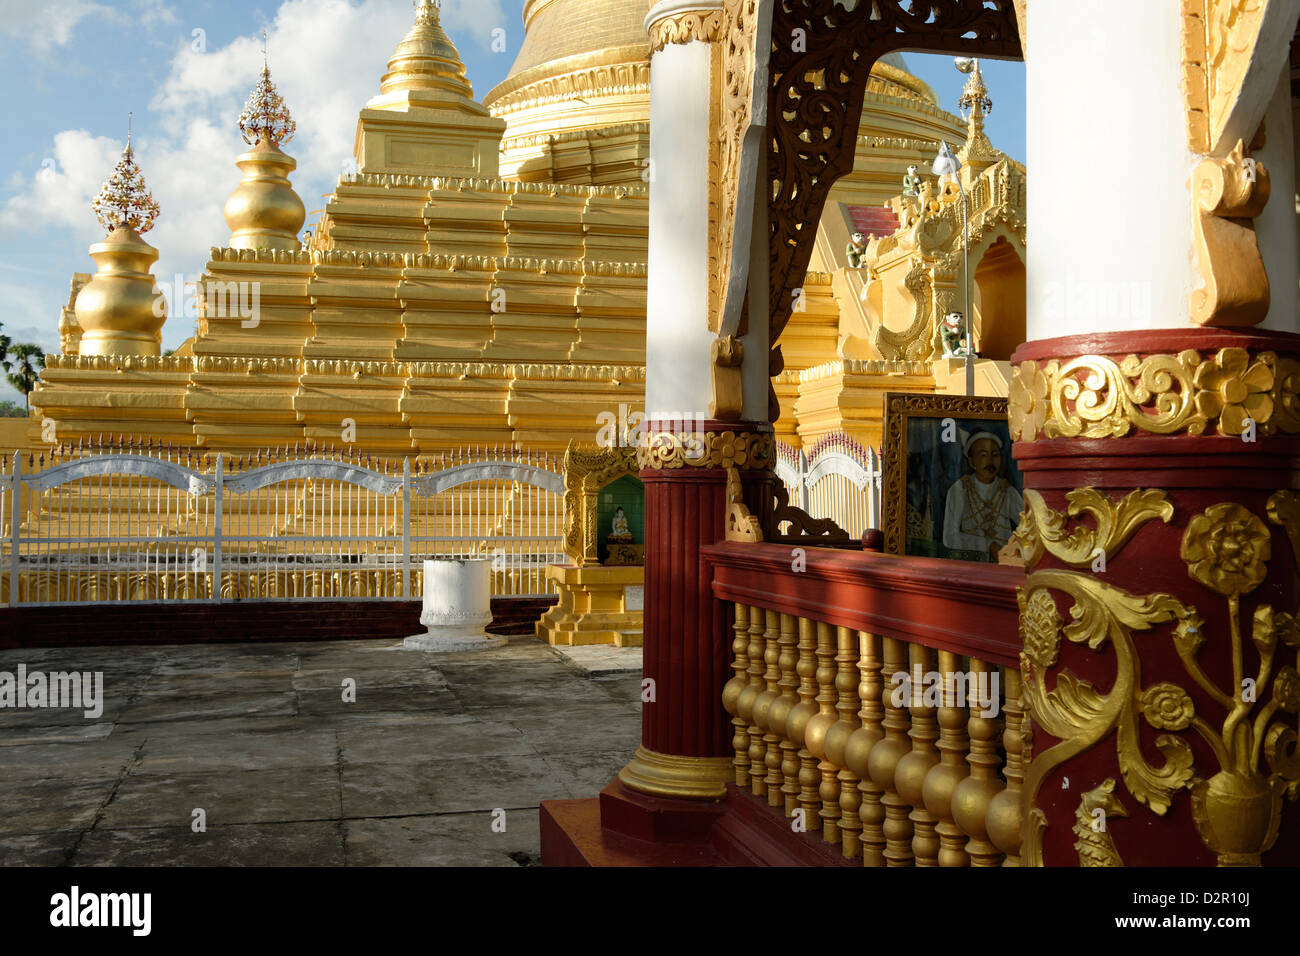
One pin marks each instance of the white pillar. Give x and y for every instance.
(1110, 212)
(678, 374)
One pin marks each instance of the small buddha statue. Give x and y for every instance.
(621, 532)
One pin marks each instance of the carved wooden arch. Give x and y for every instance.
(816, 88)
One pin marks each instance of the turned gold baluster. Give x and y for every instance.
(857, 752)
(945, 776)
(886, 755)
(731, 694)
(974, 795)
(1005, 812)
(748, 702)
(796, 725)
(815, 733)
(763, 708)
(837, 739)
(909, 778)
(780, 714)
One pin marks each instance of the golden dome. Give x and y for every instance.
(565, 35)
(426, 59)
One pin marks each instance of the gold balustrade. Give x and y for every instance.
(901, 745)
(932, 780)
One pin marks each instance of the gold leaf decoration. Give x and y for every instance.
(1042, 529)
(1093, 396)
(1226, 549)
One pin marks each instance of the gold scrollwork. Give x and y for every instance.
(1226, 549)
(753, 451)
(1043, 530)
(1093, 396)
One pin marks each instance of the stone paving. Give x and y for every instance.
(259, 737)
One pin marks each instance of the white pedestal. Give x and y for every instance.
(457, 606)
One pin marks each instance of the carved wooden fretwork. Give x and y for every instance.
(821, 57)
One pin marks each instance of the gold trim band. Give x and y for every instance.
(1097, 397)
(747, 451)
(691, 26)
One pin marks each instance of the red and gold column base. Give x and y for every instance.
(1161, 650)
(686, 734)
(672, 775)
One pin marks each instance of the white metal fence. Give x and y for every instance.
(837, 478)
(137, 524)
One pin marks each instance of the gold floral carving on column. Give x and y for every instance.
(1093, 396)
(586, 471)
(1226, 548)
(752, 451)
(1227, 196)
(704, 26)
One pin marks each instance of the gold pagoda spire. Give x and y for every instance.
(125, 199)
(265, 114)
(264, 212)
(120, 310)
(426, 59)
(977, 151)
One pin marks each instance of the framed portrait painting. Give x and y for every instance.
(951, 488)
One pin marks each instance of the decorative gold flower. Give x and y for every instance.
(1167, 707)
(1286, 689)
(1040, 628)
(1233, 389)
(1227, 548)
(729, 452)
(1027, 401)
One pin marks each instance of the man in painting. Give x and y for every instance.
(982, 508)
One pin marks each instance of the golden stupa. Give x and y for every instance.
(482, 277)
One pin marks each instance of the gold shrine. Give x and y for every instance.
(482, 277)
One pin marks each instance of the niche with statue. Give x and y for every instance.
(620, 515)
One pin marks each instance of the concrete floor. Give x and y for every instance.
(287, 773)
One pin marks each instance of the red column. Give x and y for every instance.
(1159, 654)
(686, 735)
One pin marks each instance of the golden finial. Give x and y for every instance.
(427, 11)
(975, 94)
(125, 199)
(265, 116)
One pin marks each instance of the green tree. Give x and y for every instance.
(23, 367)
(11, 410)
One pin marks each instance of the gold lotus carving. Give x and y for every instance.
(1094, 396)
(696, 25)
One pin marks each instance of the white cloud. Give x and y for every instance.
(46, 24)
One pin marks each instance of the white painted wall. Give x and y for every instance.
(678, 372)
(1109, 205)
(1276, 226)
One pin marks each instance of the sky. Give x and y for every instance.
(74, 69)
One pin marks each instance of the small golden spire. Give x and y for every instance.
(265, 116)
(427, 11)
(125, 199)
(975, 95)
